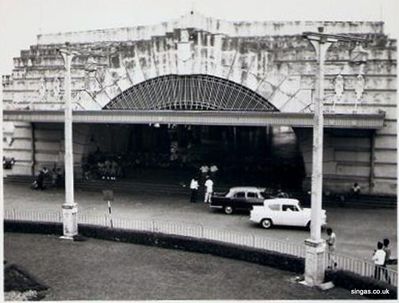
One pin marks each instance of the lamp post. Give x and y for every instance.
(69, 208)
(315, 246)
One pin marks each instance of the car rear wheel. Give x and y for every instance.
(308, 226)
(266, 223)
(228, 210)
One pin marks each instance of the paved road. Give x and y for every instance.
(102, 270)
(357, 229)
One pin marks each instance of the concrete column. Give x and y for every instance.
(372, 162)
(33, 149)
(1, 156)
(69, 208)
(315, 246)
(314, 262)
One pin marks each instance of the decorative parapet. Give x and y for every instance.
(197, 21)
(269, 58)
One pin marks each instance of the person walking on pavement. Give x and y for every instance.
(331, 239)
(194, 189)
(209, 190)
(387, 258)
(379, 260)
(40, 178)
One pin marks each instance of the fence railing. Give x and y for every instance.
(362, 267)
(359, 266)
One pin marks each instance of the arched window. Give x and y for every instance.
(189, 92)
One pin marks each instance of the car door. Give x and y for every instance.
(239, 200)
(291, 215)
(274, 213)
(253, 199)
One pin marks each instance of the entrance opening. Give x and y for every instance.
(253, 156)
(258, 156)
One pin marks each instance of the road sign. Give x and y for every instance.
(108, 195)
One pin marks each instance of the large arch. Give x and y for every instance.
(189, 92)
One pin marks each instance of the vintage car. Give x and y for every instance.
(282, 211)
(238, 198)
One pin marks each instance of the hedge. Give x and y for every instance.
(259, 256)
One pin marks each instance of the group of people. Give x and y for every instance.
(381, 258)
(55, 176)
(194, 187)
(207, 174)
(108, 170)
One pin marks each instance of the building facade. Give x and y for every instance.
(213, 69)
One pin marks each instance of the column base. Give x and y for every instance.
(69, 220)
(66, 238)
(314, 262)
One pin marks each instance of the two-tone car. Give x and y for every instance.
(283, 211)
(238, 198)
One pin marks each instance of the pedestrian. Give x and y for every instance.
(107, 167)
(204, 170)
(331, 240)
(379, 260)
(40, 178)
(213, 169)
(209, 190)
(54, 176)
(387, 258)
(194, 189)
(59, 177)
(355, 190)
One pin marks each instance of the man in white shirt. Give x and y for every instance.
(209, 190)
(379, 260)
(194, 189)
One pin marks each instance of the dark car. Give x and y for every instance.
(239, 198)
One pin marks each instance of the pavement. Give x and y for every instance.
(357, 229)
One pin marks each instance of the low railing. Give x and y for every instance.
(197, 231)
(356, 265)
(362, 267)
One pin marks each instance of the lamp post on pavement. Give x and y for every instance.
(69, 208)
(315, 246)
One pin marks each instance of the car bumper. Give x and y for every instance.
(254, 219)
(216, 206)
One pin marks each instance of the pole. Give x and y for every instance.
(110, 213)
(69, 208)
(1, 180)
(315, 246)
(69, 194)
(317, 172)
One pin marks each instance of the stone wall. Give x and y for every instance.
(47, 149)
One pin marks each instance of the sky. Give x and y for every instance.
(22, 20)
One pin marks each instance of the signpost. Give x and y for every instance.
(108, 196)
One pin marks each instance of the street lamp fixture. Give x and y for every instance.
(315, 246)
(69, 208)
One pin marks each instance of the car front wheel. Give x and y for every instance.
(266, 223)
(228, 210)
